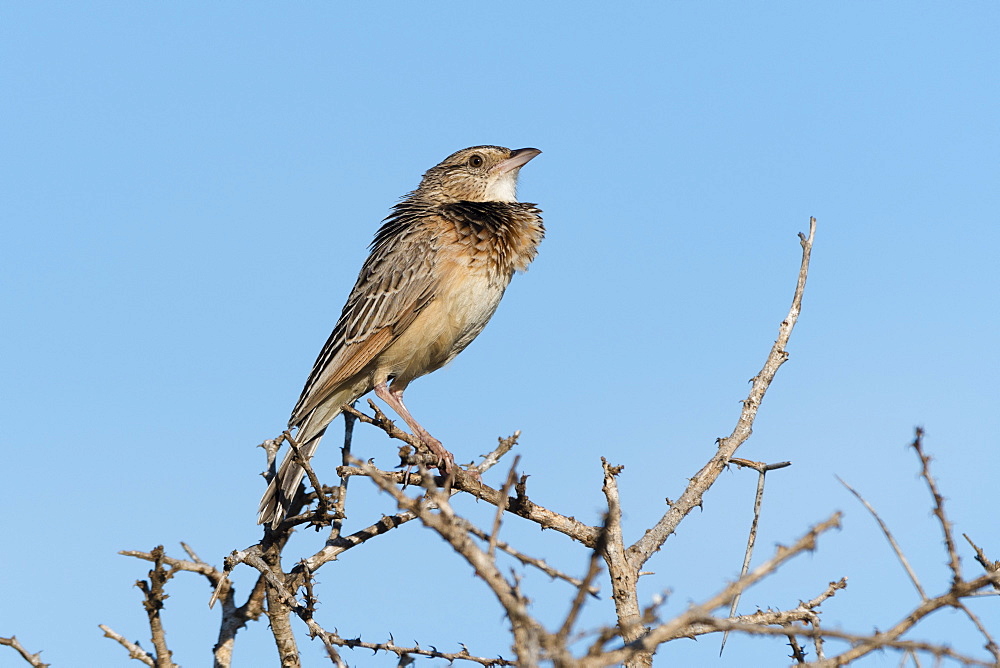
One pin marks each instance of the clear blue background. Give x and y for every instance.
(187, 192)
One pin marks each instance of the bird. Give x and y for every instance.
(436, 271)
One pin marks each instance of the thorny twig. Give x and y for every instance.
(762, 470)
(337, 543)
(453, 529)
(593, 570)
(642, 631)
(498, 517)
(322, 502)
(682, 625)
(925, 473)
(960, 588)
(700, 483)
(984, 561)
(252, 557)
(535, 562)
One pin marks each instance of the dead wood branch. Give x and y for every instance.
(32, 659)
(654, 539)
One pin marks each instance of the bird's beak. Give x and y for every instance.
(518, 158)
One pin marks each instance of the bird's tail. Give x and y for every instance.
(281, 491)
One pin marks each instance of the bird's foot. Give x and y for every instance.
(445, 460)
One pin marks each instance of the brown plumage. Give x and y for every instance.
(438, 267)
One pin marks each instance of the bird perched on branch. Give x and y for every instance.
(438, 267)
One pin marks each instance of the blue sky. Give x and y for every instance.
(188, 189)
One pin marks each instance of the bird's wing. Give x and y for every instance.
(396, 282)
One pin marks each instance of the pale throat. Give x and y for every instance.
(503, 188)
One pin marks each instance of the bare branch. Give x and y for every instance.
(991, 644)
(382, 421)
(540, 564)
(798, 654)
(624, 575)
(213, 574)
(653, 539)
(336, 546)
(925, 472)
(867, 644)
(253, 556)
(762, 470)
(452, 528)
(271, 447)
(33, 659)
(754, 628)
(498, 518)
(831, 590)
(519, 504)
(786, 619)
(154, 594)
(134, 651)
(490, 459)
(191, 553)
(593, 569)
(340, 501)
(401, 651)
(984, 561)
(234, 617)
(321, 513)
(681, 625)
(892, 541)
(635, 633)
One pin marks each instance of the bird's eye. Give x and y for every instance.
(476, 160)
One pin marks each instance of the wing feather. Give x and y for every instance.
(396, 282)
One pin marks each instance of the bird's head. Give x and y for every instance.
(477, 174)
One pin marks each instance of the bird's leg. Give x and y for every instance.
(394, 398)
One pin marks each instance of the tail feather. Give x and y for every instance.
(281, 490)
